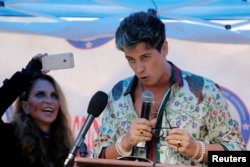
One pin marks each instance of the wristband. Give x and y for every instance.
(203, 151)
(120, 150)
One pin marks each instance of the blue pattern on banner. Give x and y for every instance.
(242, 111)
(90, 44)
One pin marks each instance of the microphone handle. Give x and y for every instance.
(145, 113)
(146, 108)
(80, 137)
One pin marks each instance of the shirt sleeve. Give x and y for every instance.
(115, 122)
(222, 127)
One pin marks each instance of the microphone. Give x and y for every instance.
(147, 101)
(96, 105)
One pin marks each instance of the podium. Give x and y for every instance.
(98, 162)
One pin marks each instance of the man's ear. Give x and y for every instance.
(165, 48)
(25, 107)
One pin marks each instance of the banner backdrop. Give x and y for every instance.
(99, 65)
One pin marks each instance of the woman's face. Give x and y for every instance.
(42, 104)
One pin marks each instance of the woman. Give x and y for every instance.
(39, 134)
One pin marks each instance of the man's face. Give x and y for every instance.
(148, 64)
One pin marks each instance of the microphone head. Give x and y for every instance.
(97, 103)
(147, 96)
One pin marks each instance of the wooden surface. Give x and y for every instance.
(96, 162)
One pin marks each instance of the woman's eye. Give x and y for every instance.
(40, 94)
(55, 96)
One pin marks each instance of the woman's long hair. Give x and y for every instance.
(33, 142)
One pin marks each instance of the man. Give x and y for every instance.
(189, 116)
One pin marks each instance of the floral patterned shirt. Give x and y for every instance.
(196, 104)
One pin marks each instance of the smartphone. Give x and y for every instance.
(58, 61)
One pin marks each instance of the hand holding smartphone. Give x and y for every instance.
(58, 61)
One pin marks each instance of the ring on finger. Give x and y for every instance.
(140, 132)
(176, 149)
(178, 143)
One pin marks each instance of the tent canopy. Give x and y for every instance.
(217, 21)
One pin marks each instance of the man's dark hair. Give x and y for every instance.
(141, 27)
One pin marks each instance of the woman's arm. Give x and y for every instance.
(18, 82)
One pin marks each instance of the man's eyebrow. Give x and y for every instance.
(128, 56)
